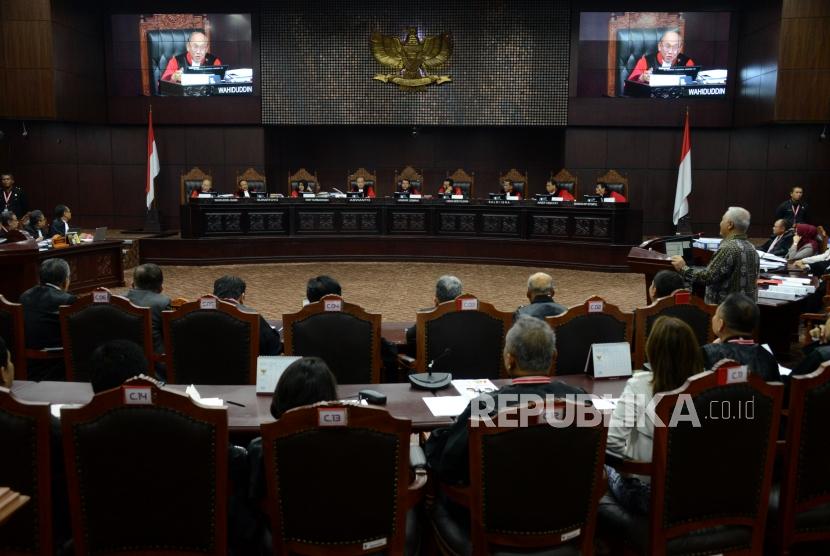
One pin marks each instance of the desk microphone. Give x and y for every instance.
(666, 239)
(430, 380)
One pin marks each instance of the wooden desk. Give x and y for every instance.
(402, 400)
(91, 265)
(779, 319)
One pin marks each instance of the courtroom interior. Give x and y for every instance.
(441, 278)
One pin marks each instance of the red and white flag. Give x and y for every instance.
(684, 177)
(152, 162)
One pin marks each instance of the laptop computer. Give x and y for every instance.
(100, 234)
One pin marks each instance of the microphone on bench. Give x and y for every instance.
(430, 380)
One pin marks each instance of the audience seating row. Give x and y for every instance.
(711, 483)
(209, 341)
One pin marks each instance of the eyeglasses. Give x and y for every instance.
(671, 47)
(199, 47)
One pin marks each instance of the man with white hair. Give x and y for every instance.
(540, 294)
(447, 288)
(734, 268)
(529, 351)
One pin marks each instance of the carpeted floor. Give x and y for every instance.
(397, 290)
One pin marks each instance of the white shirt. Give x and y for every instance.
(816, 258)
(631, 429)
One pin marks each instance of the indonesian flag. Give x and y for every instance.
(152, 162)
(684, 177)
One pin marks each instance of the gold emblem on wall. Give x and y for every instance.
(412, 58)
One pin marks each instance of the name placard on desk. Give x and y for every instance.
(454, 201)
(359, 199)
(267, 200)
(546, 203)
(408, 199)
(316, 199)
(587, 204)
(499, 202)
(225, 200)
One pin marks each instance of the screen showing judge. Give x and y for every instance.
(197, 55)
(668, 56)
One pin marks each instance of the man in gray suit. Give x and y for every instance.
(146, 292)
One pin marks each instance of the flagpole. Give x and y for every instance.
(684, 182)
(152, 223)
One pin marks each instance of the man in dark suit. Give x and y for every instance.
(665, 283)
(529, 350)
(780, 241)
(13, 198)
(60, 225)
(540, 294)
(794, 209)
(40, 317)
(146, 292)
(232, 290)
(735, 319)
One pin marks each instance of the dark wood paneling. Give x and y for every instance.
(748, 150)
(627, 147)
(94, 144)
(711, 150)
(586, 148)
(96, 191)
(788, 149)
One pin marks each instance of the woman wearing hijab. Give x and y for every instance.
(804, 243)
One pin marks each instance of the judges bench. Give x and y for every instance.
(92, 265)
(579, 235)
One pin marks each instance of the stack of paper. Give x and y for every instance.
(708, 243)
(194, 395)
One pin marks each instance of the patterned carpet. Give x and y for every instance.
(397, 290)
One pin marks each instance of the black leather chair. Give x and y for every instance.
(96, 319)
(162, 45)
(579, 327)
(25, 466)
(633, 44)
(346, 338)
(710, 478)
(800, 508)
(469, 342)
(682, 305)
(512, 511)
(208, 341)
(568, 186)
(148, 478)
(11, 330)
(367, 492)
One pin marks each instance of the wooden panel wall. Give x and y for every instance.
(333, 151)
(751, 167)
(99, 170)
(78, 62)
(804, 64)
(757, 71)
(27, 57)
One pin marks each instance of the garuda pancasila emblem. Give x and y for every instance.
(411, 58)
